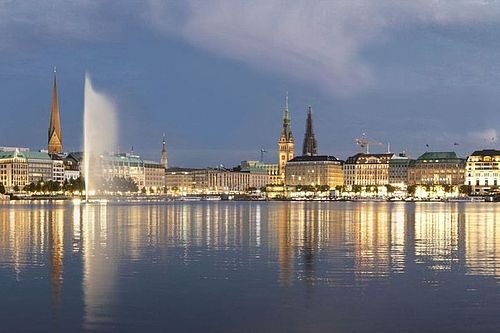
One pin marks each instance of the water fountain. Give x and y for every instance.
(99, 135)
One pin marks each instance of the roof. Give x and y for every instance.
(126, 158)
(314, 158)
(178, 169)
(438, 157)
(365, 156)
(12, 154)
(486, 152)
(37, 155)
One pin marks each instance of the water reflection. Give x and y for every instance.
(310, 244)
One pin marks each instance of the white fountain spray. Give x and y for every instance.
(99, 135)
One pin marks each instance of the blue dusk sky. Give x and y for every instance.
(212, 75)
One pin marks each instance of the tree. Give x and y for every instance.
(2, 188)
(447, 188)
(357, 188)
(16, 188)
(465, 189)
(322, 188)
(390, 188)
(411, 189)
(31, 187)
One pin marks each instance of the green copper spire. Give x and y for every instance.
(286, 131)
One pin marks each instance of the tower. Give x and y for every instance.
(54, 134)
(163, 159)
(310, 146)
(286, 144)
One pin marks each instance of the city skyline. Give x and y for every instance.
(221, 108)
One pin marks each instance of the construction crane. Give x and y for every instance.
(364, 143)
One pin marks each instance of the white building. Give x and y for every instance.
(482, 171)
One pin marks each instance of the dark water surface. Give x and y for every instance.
(250, 267)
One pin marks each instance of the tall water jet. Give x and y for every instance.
(99, 135)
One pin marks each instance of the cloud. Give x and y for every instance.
(316, 41)
(320, 42)
(485, 137)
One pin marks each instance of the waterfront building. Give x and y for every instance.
(482, 171)
(163, 159)
(179, 180)
(124, 165)
(154, 176)
(13, 169)
(54, 144)
(227, 181)
(213, 181)
(437, 168)
(310, 145)
(58, 173)
(72, 165)
(398, 171)
(272, 170)
(40, 166)
(286, 143)
(314, 170)
(366, 169)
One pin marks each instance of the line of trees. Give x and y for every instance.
(72, 185)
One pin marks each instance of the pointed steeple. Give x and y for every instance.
(310, 146)
(286, 143)
(54, 133)
(163, 159)
(286, 130)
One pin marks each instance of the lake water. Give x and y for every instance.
(250, 267)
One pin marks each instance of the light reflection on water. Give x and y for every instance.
(281, 266)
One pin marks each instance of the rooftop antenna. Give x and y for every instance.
(262, 151)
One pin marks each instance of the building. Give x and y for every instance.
(228, 181)
(72, 165)
(286, 143)
(163, 159)
(213, 181)
(13, 169)
(154, 176)
(482, 171)
(314, 171)
(398, 171)
(54, 144)
(40, 166)
(271, 169)
(366, 169)
(124, 165)
(437, 168)
(179, 180)
(310, 145)
(58, 169)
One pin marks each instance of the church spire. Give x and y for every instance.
(286, 144)
(54, 133)
(310, 146)
(163, 159)
(286, 131)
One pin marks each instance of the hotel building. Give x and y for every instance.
(13, 169)
(367, 169)
(314, 171)
(437, 168)
(482, 171)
